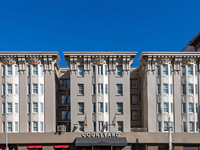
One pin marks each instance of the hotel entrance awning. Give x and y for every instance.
(101, 141)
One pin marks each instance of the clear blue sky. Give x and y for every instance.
(98, 25)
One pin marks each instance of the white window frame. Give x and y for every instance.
(35, 127)
(35, 108)
(35, 70)
(35, 89)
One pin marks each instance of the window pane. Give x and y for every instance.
(41, 126)
(134, 83)
(41, 107)
(165, 126)
(41, 89)
(9, 70)
(35, 126)
(184, 89)
(158, 88)
(165, 69)
(16, 107)
(134, 99)
(4, 70)
(81, 126)
(166, 108)
(106, 70)
(184, 108)
(106, 88)
(35, 88)
(81, 89)
(35, 70)
(93, 71)
(191, 107)
(120, 108)
(16, 70)
(16, 88)
(119, 71)
(120, 126)
(81, 108)
(159, 126)
(184, 127)
(134, 115)
(41, 70)
(80, 71)
(190, 89)
(106, 107)
(4, 89)
(159, 108)
(35, 107)
(9, 126)
(165, 88)
(16, 126)
(9, 88)
(119, 89)
(9, 107)
(190, 70)
(158, 70)
(191, 126)
(183, 70)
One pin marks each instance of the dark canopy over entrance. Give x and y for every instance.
(100, 142)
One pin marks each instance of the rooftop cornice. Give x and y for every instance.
(99, 53)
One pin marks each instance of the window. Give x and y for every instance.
(184, 126)
(190, 89)
(80, 89)
(93, 69)
(16, 107)
(9, 88)
(196, 108)
(184, 108)
(196, 89)
(191, 126)
(100, 70)
(16, 70)
(101, 126)
(41, 70)
(41, 89)
(29, 126)
(119, 71)
(171, 89)
(9, 126)
(190, 70)
(80, 71)
(106, 107)
(106, 70)
(4, 70)
(195, 69)
(41, 126)
(4, 89)
(94, 107)
(134, 99)
(29, 70)
(134, 84)
(119, 89)
(171, 107)
(184, 89)
(62, 83)
(100, 88)
(29, 107)
(159, 126)
(69, 115)
(165, 126)
(100, 107)
(35, 70)
(165, 69)
(16, 126)
(106, 88)
(35, 88)
(158, 88)
(35, 126)
(41, 108)
(81, 108)
(63, 99)
(68, 84)
(165, 88)
(159, 108)
(183, 70)
(170, 70)
(68, 99)
(172, 126)
(197, 126)
(94, 126)
(120, 126)
(4, 108)
(9, 107)
(191, 107)
(93, 89)
(9, 70)
(35, 107)
(166, 107)
(29, 89)
(158, 70)
(80, 126)
(16, 88)
(120, 108)
(62, 115)
(106, 126)
(134, 115)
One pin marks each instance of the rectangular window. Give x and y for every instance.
(171, 89)
(119, 89)
(81, 108)
(4, 70)
(101, 126)
(184, 89)
(191, 107)
(29, 89)
(159, 108)
(184, 126)
(197, 126)
(80, 89)
(41, 89)
(9, 107)
(195, 69)
(171, 107)
(165, 88)
(41, 108)
(62, 83)
(134, 84)
(29, 126)
(100, 70)
(120, 108)
(35, 88)
(159, 126)
(190, 89)
(94, 107)
(165, 126)
(166, 107)
(196, 108)
(4, 108)
(9, 126)
(41, 70)
(69, 99)
(106, 126)
(159, 89)
(93, 68)
(80, 71)
(119, 71)
(16, 88)
(4, 89)
(190, 69)
(158, 70)
(29, 108)
(120, 126)
(35, 70)
(100, 88)
(35, 126)
(134, 99)
(106, 70)
(165, 69)
(100, 107)
(41, 126)
(9, 88)
(62, 115)
(134, 115)
(16, 107)
(16, 70)
(183, 70)
(80, 126)
(9, 70)
(184, 108)
(191, 126)
(63, 99)
(106, 107)
(16, 126)
(106, 88)
(170, 70)
(35, 107)
(29, 70)
(172, 126)
(94, 126)
(68, 84)
(196, 89)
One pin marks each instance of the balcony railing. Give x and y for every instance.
(138, 129)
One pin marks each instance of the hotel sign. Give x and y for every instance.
(100, 135)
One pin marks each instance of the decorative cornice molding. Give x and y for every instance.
(190, 62)
(165, 62)
(34, 62)
(9, 62)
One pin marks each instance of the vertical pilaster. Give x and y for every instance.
(1, 98)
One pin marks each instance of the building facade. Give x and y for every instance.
(99, 102)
